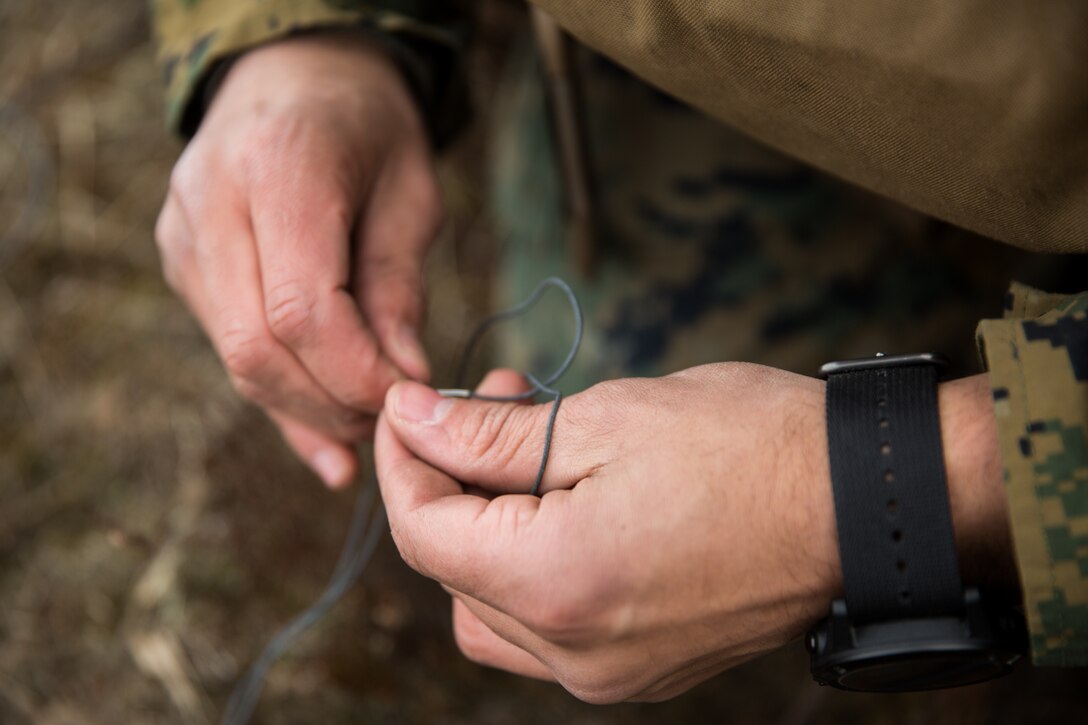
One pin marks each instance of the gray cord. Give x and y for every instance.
(367, 529)
(516, 311)
(538, 386)
(353, 559)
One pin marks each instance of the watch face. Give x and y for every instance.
(921, 671)
(917, 654)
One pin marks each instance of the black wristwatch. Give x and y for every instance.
(906, 621)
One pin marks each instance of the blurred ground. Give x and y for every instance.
(154, 531)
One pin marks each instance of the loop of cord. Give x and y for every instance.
(538, 386)
(366, 528)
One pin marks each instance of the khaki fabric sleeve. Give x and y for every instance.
(1038, 362)
(972, 111)
(197, 37)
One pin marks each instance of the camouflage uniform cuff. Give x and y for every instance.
(198, 40)
(1038, 362)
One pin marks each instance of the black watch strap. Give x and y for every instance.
(896, 541)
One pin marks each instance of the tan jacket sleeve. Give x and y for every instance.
(195, 37)
(1038, 362)
(973, 111)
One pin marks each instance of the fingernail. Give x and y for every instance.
(412, 348)
(419, 404)
(333, 467)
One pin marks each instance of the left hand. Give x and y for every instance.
(296, 229)
(686, 524)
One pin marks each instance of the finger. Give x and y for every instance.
(496, 445)
(483, 646)
(504, 382)
(499, 382)
(493, 638)
(401, 221)
(302, 227)
(222, 288)
(494, 550)
(334, 462)
(504, 625)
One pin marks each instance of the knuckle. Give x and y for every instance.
(564, 618)
(395, 281)
(408, 551)
(171, 255)
(180, 179)
(400, 296)
(335, 210)
(590, 611)
(189, 176)
(598, 683)
(170, 235)
(246, 357)
(290, 310)
(166, 236)
(550, 622)
(492, 436)
(249, 389)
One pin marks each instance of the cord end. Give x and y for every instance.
(454, 392)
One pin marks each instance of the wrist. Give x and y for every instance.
(921, 527)
(331, 67)
(975, 487)
(814, 540)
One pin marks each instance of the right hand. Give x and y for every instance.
(296, 227)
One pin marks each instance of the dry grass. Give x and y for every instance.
(153, 529)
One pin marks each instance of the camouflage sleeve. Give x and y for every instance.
(198, 37)
(1038, 362)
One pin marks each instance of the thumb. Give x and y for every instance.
(497, 446)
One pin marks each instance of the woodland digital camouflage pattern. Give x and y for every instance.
(197, 36)
(1038, 361)
(714, 247)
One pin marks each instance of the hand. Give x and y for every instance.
(296, 227)
(687, 523)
